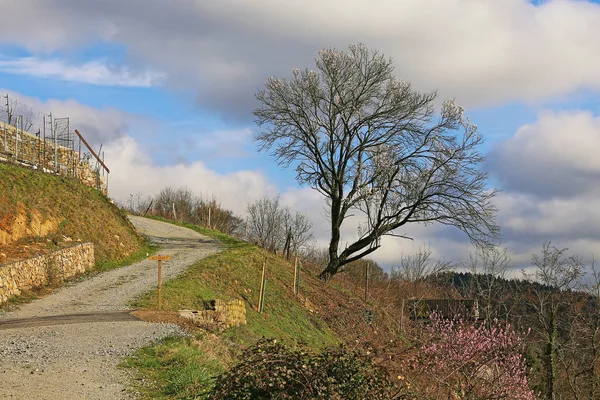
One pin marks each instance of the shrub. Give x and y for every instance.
(271, 370)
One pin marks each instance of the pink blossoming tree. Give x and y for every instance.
(473, 362)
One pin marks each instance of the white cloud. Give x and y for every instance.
(482, 52)
(133, 171)
(96, 125)
(549, 173)
(97, 72)
(555, 156)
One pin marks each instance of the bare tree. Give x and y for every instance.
(271, 225)
(552, 301)
(489, 267)
(190, 208)
(579, 352)
(181, 200)
(369, 143)
(266, 223)
(298, 231)
(418, 266)
(137, 203)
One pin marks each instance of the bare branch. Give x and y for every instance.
(369, 142)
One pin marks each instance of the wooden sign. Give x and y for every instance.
(160, 258)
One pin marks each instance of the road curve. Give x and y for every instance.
(67, 358)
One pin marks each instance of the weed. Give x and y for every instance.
(53, 273)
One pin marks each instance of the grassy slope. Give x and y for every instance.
(183, 367)
(235, 273)
(84, 213)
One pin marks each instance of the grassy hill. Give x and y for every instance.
(323, 315)
(40, 212)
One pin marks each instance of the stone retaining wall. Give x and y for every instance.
(45, 269)
(218, 314)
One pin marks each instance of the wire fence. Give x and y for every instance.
(35, 139)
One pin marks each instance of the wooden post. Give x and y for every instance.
(209, 208)
(298, 277)
(296, 274)
(159, 284)
(261, 295)
(148, 209)
(81, 138)
(402, 318)
(174, 213)
(160, 260)
(366, 280)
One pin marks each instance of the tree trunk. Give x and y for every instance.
(334, 260)
(330, 270)
(551, 361)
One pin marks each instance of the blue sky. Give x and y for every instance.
(168, 88)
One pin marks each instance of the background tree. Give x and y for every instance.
(552, 303)
(298, 232)
(188, 207)
(415, 267)
(473, 362)
(272, 226)
(369, 143)
(579, 354)
(489, 267)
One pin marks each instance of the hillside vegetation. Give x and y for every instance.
(40, 212)
(323, 315)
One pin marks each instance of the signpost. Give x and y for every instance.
(160, 260)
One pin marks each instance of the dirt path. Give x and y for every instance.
(77, 359)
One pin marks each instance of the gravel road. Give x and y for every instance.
(79, 360)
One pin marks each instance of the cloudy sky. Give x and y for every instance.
(168, 88)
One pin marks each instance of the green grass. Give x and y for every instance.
(176, 368)
(233, 273)
(73, 210)
(79, 211)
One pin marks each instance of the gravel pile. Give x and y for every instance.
(79, 361)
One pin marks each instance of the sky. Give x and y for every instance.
(167, 88)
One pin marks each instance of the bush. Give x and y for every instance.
(271, 370)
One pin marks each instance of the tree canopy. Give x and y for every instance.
(371, 144)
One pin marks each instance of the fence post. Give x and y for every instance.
(402, 318)
(44, 159)
(366, 280)
(298, 277)
(295, 273)
(261, 294)
(17, 139)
